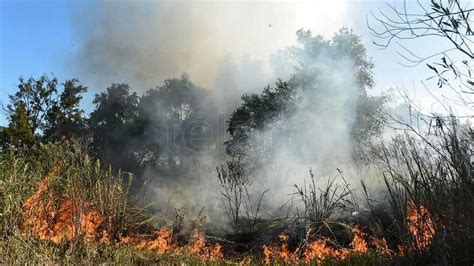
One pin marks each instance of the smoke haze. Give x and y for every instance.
(142, 42)
(230, 48)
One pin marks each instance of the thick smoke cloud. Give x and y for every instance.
(144, 42)
(230, 48)
(317, 135)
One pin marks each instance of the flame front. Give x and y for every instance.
(358, 242)
(203, 250)
(322, 249)
(42, 218)
(420, 225)
(161, 244)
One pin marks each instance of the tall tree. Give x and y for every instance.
(112, 126)
(172, 118)
(51, 109)
(19, 131)
(256, 111)
(325, 73)
(65, 118)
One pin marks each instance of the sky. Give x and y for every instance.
(71, 39)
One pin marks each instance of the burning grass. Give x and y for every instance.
(76, 203)
(420, 225)
(42, 218)
(62, 207)
(323, 249)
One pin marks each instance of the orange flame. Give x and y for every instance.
(381, 246)
(320, 249)
(420, 225)
(43, 219)
(358, 242)
(204, 250)
(37, 215)
(56, 223)
(161, 244)
(280, 252)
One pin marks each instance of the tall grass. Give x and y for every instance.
(79, 177)
(432, 168)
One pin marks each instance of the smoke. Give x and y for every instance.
(231, 48)
(318, 134)
(144, 42)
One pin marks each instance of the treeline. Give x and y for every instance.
(125, 130)
(166, 127)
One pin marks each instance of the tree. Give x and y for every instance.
(327, 74)
(112, 126)
(258, 110)
(65, 118)
(161, 131)
(38, 96)
(345, 47)
(45, 109)
(19, 131)
(170, 116)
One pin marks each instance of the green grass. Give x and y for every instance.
(440, 182)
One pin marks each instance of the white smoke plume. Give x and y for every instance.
(144, 42)
(225, 47)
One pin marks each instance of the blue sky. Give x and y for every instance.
(40, 36)
(36, 37)
(33, 37)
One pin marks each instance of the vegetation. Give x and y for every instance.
(40, 110)
(311, 88)
(70, 184)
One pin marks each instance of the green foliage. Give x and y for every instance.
(319, 66)
(112, 126)
(19, 131)
(155, 130)
(170, 115)
(258, 110)
(65, 118)
(38, 108)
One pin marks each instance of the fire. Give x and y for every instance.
(37, 214)
(56, 226)
(321, 249)
(63, 220)
(280, 252)
(358, 242)
(72, 217)
(161, 244)
(420, 225)
(381, 246)
(245, 261)
(203, 250)
(42, 218)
